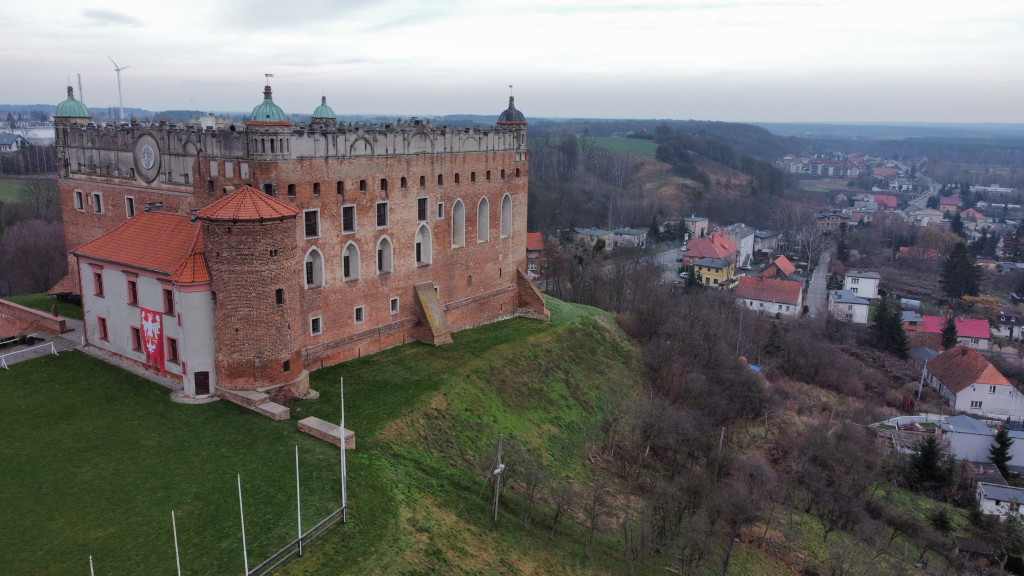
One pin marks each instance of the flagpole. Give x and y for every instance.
(344, 494)
(241, 512)
(298, 497)
(91, 573)
(177, 558)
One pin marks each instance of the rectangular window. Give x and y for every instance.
(97, 283)
(382, 214)
(309, 274)
(440, 210)
(403, 182)
(394, 305)
(340, 186)
(346, 266)
(229, 170)
(287, 366)
(243, 170)
(101, 324)
(316, 189)
(991, 389)
(383, 184)
(168, 301)
(312, 221)
(314, 326)
(97, 203)
(348, 219)
(975, 403)
(79, 201)
(133, 292)
(291, 191)
(362, 185)
(172, 350)
(136, 339)
(854, 280)
(129, 206)
(268, 189)
(421, 209)
(358, 314)
(279, 296)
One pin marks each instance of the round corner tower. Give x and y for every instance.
(251, 248)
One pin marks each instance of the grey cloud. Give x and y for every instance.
(107, 17)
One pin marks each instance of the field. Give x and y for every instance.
(829, 185)
(9, 190)
(44, 303)
(622, 145)
(95, 459)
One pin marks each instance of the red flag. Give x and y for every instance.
(153, 338)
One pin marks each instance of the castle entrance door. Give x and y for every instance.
(202, 383)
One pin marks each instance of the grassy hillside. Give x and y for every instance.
(95, 459)
(622, 145)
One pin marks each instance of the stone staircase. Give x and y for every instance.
(328, 432)
(433, 312)
(257, 402)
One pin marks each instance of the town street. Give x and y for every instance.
(817, 293)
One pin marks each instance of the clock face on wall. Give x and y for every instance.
(147, 157)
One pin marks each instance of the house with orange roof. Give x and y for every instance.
(146, 297)
(780, 268)
(971, 384)
(770, 296)
(717, 246)
(535, 263)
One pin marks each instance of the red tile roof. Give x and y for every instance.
(960, 367)
(156, 241)
(886, 172)
(784, 265)
(248, 203)
(886, 200)
(965, 327)
(769, 290)
(714, 246)
(949, 201)
(534, 241)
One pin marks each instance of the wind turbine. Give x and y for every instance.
(120, 101)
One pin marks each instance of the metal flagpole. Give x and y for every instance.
(498, 469)
(298, 496)
(344, 494)
(241, 512)
(91, 573)
(177, 558)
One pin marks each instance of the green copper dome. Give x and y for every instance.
(72, 108)
(268, 111)
(323, 111)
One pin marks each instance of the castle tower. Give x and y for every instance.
(514, 120)
(252, 255)
(323, 117)
(268, 134)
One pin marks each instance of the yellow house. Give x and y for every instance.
(715, 272)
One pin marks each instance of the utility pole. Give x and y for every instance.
(498, 469)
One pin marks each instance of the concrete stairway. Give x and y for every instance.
(257, 402)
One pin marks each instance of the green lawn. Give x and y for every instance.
(637, 146)
(9, 190)
(95, 459)
(45, 303)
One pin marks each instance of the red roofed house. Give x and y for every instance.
(535, 263)
(971, 384)
(781, 267)
(146, 286)
(714, 246)
(949, 204)
(972, 333)
(770, 296)
(885, 172)
(885, 202)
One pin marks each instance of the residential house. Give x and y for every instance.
(862, 283)
(715, 272)
(831, 221)
(846, 306)
(780, 268)
(970, 332)
(970, 439)
(969, 383)
(884, 172)
(770, 296)
(885, 202)
(972, 215)
(912, 321)
(697, 226)
(840, 199)
(949, 204)
(12, 142)
(999, 500)
(766, 241)
(869, 205)
(535, 261)
(717, 245)
(592, 235)
(923, 216)
(1010, 324)
(742, 236)
(633, 237)
(861, 216)
(921, 355)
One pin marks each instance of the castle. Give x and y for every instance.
(236, 258)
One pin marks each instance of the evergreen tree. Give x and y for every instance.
(888, 329)
(654, 232)
(929, 468)
(999, 453)
(843, 250)
(957, 225)
(960, 276)
(949, 333)
(834, 282)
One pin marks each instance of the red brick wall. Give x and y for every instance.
(16, 319)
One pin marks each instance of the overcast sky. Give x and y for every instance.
(732, 60)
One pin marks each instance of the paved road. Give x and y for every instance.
(817, 295)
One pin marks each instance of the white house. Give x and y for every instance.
(743, 237)
(999, 500)
(862, 283)
(629, 237)
(146, 296)
(846, 306)
(770, 296)
(12, 142)
(971, 384)
(970, 439)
